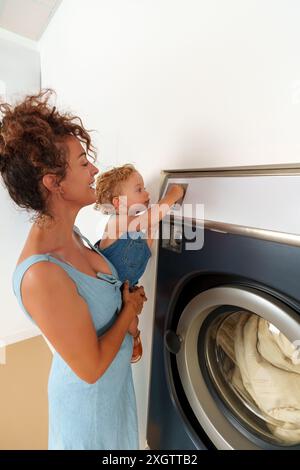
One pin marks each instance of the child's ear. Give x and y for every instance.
(116, 202)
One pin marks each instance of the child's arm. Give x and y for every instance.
(149, 219)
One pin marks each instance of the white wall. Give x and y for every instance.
(19, 75)
(178, 84)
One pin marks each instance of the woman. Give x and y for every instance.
(68, 289)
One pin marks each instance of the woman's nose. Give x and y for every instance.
(95, 170)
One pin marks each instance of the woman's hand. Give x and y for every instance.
(133, 299)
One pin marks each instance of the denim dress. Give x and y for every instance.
(99, 416)
(129, 254)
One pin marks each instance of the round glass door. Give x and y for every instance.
(255, 370)
(239, 367)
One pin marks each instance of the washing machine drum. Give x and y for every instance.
(238, 362)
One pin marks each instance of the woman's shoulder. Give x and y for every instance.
(33, 248)
(36, 276)
(29, 249)
(37, 270)
(37, 264)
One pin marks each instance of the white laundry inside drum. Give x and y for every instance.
(262, 368)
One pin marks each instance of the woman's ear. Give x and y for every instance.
(51, 183)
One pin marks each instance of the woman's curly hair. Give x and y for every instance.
(109, 185)
(32, 144)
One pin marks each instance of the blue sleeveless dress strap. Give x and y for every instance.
(129, 254)
(99, 416)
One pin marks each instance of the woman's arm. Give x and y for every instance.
(52, 299)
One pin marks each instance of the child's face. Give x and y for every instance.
(137, 196)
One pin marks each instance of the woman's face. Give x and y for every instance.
(77, 188)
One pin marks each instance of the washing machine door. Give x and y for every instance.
(237, 357)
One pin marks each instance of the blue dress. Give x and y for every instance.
(95, 416)
(129, 254)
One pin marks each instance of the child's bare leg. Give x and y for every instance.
(133, 327)
(137, 350)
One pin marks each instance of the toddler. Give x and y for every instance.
(129, 232)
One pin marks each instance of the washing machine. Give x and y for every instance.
(225, 371)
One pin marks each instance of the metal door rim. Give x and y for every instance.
(221, 432)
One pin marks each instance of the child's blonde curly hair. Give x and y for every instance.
(108, 186)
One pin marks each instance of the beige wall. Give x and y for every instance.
(23, 395)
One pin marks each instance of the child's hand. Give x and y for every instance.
(176, 191)
(133, 327)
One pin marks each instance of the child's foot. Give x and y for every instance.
(137, 351)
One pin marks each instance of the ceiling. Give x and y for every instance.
(28, 18)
